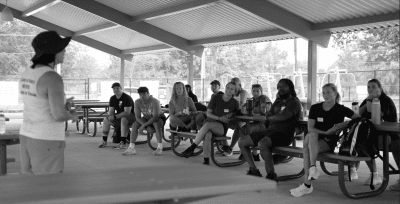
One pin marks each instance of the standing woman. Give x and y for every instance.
(180, 107)
(219, 112)
(325, 122)
(388, 114)
(42, 134)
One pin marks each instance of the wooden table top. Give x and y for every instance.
(12, 133)
(93, 105)
(128, 185)
(251, 118)
(392, 127)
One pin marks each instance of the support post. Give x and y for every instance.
(312, 74)
(190, 70)
(122, 74)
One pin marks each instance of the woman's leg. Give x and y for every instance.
(306, 158)
(176, 121)
(207, 145)
(313, 147)
(214, 127)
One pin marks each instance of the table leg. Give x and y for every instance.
(3, 159)
(86, 115)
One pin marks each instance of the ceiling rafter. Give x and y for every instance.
(39, 7)
(282, 19)
(144, 28)
(382, 18)
(246, 36)
(65, 32)
(146, 49)
(176, 9)
(96, 29)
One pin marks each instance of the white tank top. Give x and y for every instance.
(38, 123)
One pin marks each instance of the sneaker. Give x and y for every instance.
(395, 186)
(129, 151)
(256, 157)
(313, 173)
(187, 153)
(121, 145)
(353, 174)
(271, 176)
(301, 190)
(254, 172)
(227, 151)
(102, 144)
(158, 152)
(376, 180)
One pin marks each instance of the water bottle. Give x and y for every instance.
(2, 124)
(250, 106)
(354, 107)
(376, 111)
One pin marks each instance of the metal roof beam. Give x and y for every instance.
(65, 32)
(175, 10)
(282, 19)
(96, 29)
(39, 7)
(146, 49)
(390, 17)
(125, 20)
(269, 33)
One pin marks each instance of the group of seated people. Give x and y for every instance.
(325, 122)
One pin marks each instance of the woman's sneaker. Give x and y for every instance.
(395, 186)
(353, 174)
(102, 144)
(158, 152)
(227, 151)
(376, 180)
(301, 190)
(254, 172)
(121, 145)
(129, 151)
(313, 173)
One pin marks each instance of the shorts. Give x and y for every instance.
(278, 137)
(41, 156)
(131, 119)
(332, 140)
(160, 117)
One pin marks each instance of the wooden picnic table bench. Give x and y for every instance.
(177, 137)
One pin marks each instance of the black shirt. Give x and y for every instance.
(387, 107)
(324, 120)
(289, 114)
(194, 97)
(219, 93)
(120, 103)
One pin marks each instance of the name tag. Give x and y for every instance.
(320, 119)
(283, 108)
(226, 110)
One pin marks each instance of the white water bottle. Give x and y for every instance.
(376, 111)
(354, 107)
(2, 124)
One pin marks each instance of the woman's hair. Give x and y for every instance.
(257, 86)
(45, 59)
(174, 95)
(377, 82)
(290, 84)
(234, 84)
(334, 88)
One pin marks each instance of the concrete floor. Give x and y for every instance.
(82, 155)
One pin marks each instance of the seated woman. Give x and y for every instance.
(180, 108)
(260, 108)
(388, 114)
(219, 112)
(325, 122)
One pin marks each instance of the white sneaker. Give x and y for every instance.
(376, 180)
(313, 173)
(301, 190)
(353, 174)
(102, 144)
(129, 151)
(158, 152)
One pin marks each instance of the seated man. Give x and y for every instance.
(190, 93)
(215, 86)
(282, 118)
(122, 103)
(152, 117)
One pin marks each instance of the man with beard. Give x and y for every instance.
(281, 120)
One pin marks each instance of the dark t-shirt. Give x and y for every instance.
(288, 112)
(120, 103)
(387, 107)
(220, 108)
(194, 97)
(219, 93)
(324, 120)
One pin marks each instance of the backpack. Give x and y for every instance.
(359, 139)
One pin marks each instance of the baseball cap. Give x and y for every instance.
(115, 84)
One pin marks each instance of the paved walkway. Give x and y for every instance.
(82, 155)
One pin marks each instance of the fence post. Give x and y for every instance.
(349, 93)
(88, 89)
(85, 88)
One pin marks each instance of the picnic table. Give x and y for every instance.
(91, 106)
(384, 129)
(9, 138)
(160, 184)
